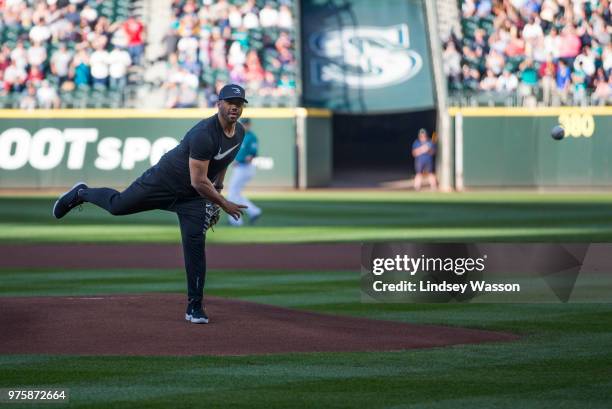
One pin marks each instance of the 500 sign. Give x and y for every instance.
(47, 148)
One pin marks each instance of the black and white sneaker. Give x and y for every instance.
(196, 313)
(68, 201)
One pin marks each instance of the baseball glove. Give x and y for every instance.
(212, 213)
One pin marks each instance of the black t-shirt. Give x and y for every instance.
(205, 141)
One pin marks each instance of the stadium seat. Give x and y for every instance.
(99, 88)
(254, 99)
(221, 75)
(14, 100)
(469, 26)
(11, 34)
(487, 25)
(208, 77)
(283, 101)
(96, 100)
(67, 99)
(512, 63)
(114, 99)
(255, 38)
(271, 32)
(106, 10)
(81, 95)
(5, 101)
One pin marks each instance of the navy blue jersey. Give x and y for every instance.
(427, 156)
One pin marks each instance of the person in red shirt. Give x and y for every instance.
(4, 61)
(516, 45)
(35, 76)
(570, 44)
(135, 32)
(547, 73)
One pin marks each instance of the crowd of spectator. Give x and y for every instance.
(550, 52)
(247, 42)
(51, 48)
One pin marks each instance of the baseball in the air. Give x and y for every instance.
(557, 133)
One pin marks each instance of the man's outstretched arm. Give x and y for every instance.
(198, 172)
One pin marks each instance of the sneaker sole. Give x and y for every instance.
(189, 318)
(62, 196)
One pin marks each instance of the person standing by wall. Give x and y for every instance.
(423, 151)
(243, 172)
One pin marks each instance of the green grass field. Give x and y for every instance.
(562, 360)
(339, 217)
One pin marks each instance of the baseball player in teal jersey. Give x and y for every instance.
(243, 172)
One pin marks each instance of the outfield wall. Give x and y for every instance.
(55, 148)
(512, 147)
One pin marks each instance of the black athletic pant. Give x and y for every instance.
(150, 192)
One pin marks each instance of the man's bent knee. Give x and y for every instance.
(118, 210)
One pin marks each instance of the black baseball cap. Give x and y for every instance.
(232, 91)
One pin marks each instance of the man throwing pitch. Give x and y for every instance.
(187, 180)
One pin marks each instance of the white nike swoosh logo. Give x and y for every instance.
(220, 155)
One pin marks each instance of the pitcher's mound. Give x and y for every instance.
(153, 324)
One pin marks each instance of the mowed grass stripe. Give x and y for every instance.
(331, 217)
(283, 213)
(534, 373)
(256, 286)
(12, 233)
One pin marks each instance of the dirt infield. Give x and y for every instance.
(308, 257)
(153, 325)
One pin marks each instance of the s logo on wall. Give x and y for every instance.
(367, 57)
(362, 56)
